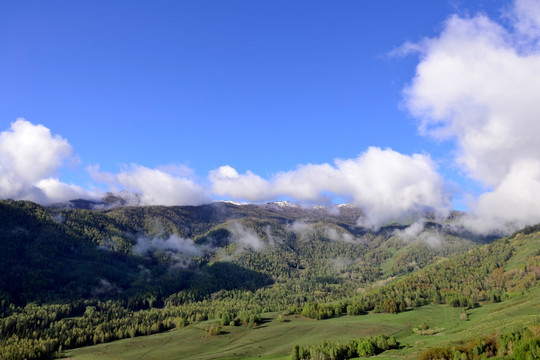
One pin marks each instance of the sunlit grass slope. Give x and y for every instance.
(275, 339)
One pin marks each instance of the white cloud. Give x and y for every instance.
(227, 181)
(416, 232)
(31, 152)
(178, 249)
(245, 237)
(411, 232)
(527, 19)
(384, 183)
(303, 230)
(173, 244)
(29, 158)
(56, 191)
(478, 83)
(335, 235)
(156, 186)
(513, 204)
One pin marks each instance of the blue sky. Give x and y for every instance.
(259, 86)
(262, 85)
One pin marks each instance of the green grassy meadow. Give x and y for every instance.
(274, 339)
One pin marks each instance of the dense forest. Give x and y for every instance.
(89, 273)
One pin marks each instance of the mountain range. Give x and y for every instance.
(132, 261)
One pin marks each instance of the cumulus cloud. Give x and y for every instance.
(477, 83)
(29, 158)
(57, 191)
(171, 185)
(512, 204)
(227, 181)
(384, 183)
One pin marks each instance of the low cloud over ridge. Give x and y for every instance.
(383, 182)
(171, 185)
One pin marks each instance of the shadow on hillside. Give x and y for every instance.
(227, 276)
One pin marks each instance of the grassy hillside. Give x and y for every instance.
(275, 339)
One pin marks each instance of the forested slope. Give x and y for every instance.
(68, 253)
